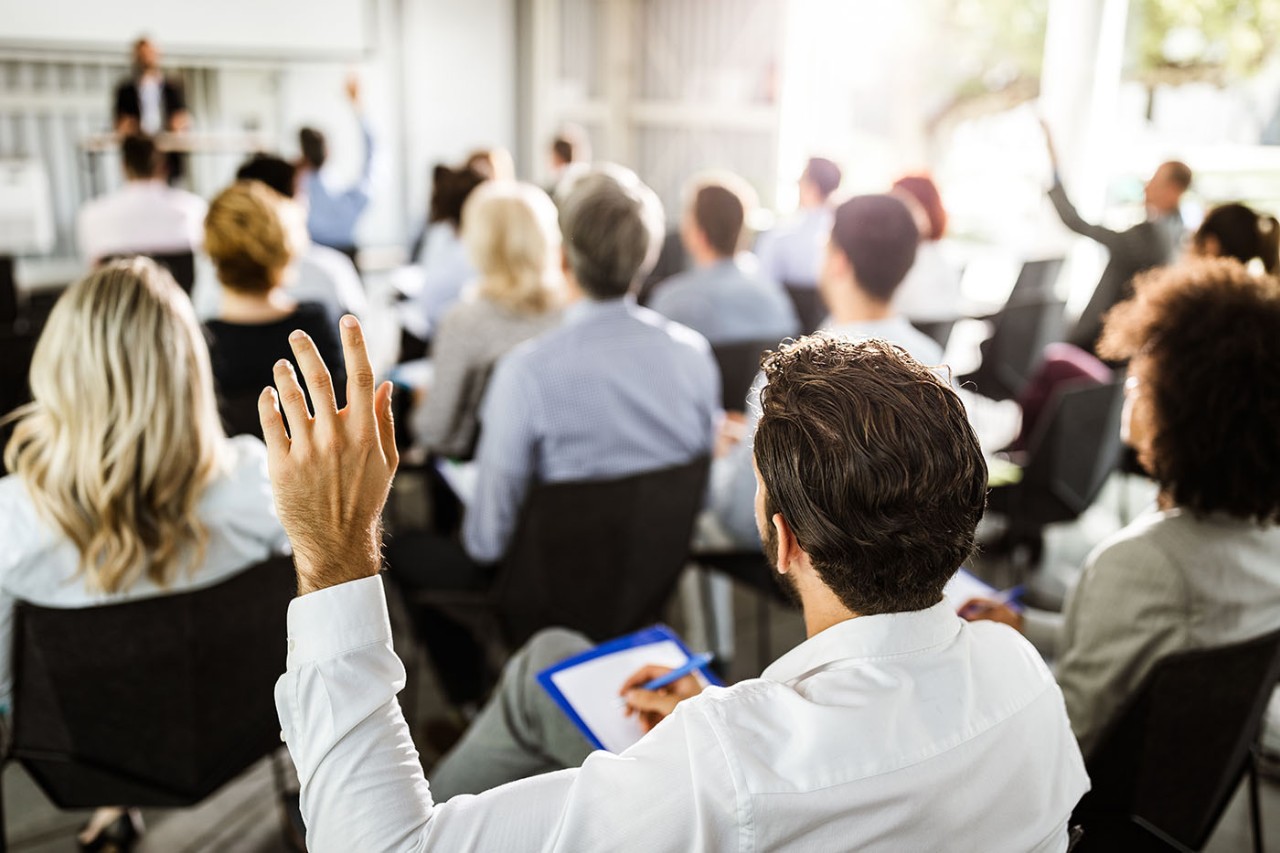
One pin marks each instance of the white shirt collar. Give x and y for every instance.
(879, 636)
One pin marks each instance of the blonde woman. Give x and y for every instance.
(251, 238)
(510, 233)
(123, 484)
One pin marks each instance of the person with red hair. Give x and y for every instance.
(931, 291)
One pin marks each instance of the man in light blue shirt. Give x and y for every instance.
(615, 390)
(872, 246)
(792, 252)
(334, 212)
(725, 297)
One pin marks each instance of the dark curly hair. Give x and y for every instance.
(870, 458)
(1208, 333)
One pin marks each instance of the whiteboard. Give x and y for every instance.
(233, 28)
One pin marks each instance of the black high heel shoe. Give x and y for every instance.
(117, 837)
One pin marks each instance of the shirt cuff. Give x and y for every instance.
(326, 623)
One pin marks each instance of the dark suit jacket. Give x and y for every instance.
(1146, 245)
(127, 102)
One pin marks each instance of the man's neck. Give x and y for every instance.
(850, 304)
(822, 610)
(708, 258)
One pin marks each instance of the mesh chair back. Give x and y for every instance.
(599, 557)
(156, 702)
(1177, 751)
(810, 308)
(1074, 449)
(739, 364)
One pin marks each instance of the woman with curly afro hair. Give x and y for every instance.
(1202, 410)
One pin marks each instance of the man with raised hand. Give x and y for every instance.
(894, 726)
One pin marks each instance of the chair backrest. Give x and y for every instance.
(181, 265)
(1075, 447)
(1036, 281)
(8, 292)
(240, 413)
(810, 308)
(1020, 333)
(155, 702)
(17, 345)
(599, 557)
(1177, 750)
(739, 364)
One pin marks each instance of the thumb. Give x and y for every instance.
(386, 424)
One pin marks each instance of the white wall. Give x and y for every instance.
(460, 83)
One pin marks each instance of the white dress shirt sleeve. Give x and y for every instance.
(363, 786)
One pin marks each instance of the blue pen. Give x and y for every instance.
(692, 665)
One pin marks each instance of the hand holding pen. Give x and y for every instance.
(654, 691)
(1003, 608)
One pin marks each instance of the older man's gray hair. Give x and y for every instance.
(613, 227)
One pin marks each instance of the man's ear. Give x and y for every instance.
(789, 551)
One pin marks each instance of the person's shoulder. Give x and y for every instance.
(188, 201)
(326, 260)
(241, 474)
(673, 288)
(313, 314)
(19, 520)
(677, 333)
(1134, 553)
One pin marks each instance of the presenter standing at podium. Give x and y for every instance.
(151, 103)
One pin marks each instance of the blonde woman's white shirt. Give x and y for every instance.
(39, 564)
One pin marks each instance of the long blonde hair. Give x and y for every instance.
(510, 232)
(123, 435)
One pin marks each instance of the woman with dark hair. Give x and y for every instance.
(931, 291)
(445, 266)
(1237, 231)
(1202, 570)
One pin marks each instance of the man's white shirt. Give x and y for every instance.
(907, 731)
(141, 217)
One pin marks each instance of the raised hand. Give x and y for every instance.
(332, 474)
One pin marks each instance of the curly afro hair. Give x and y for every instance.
(1208, 333)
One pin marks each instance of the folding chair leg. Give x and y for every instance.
(1255, 804)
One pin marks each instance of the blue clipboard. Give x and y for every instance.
(645, 637)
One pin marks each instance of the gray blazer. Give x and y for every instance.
(1166, 583)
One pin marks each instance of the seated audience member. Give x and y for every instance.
(333, 212)
(320, 273)
(1201, 570)
(569, 147)
(494, 163)
(613, 391)
(872, 245)
(446, 268)
(251, 242)
(931, 291)
(876, 733)
(1237, 231)
(146, 215)
(792, 252)
(511, 234)
(1151, 243)
(724, 297)
(123, 483)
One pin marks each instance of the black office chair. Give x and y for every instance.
(155, 702)
(599, 557)
(810, 308)
(9, 298)
(181, 265)
(1073, 450)
(739, 364)
(749, 568)
(1165, 769)
(1020, 332)
(1036, 281)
